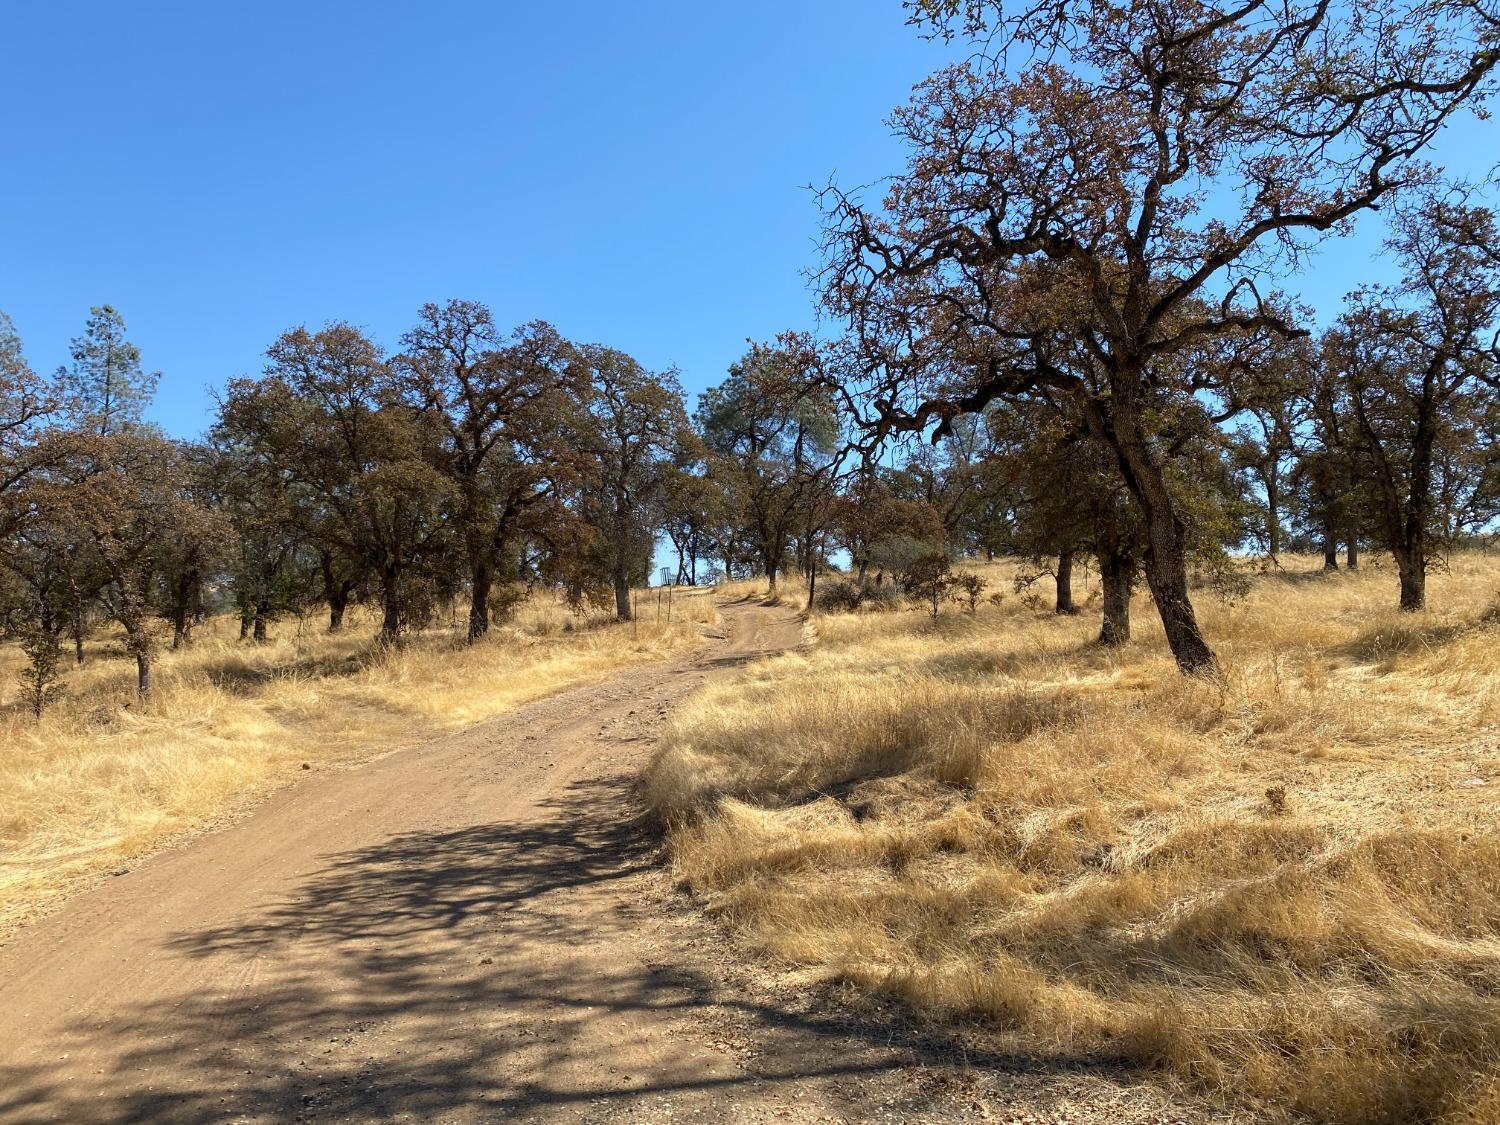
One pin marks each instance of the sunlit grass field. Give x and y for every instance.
(104, 777)
(1280, 887)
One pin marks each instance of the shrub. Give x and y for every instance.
(929, 579)
(839, 596)
(505, 597)
(969, 588)
(845, 596)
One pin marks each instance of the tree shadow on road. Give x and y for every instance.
(487, 972)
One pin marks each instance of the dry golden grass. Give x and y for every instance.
(1282, 888)
(103, 778)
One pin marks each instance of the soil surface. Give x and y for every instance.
(473, 930)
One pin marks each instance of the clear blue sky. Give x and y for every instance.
(635, 174)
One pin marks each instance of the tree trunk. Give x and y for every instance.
(1351, 552)
(390, 601)
(812, 570)
(864, 570)
(622, 595)
(246, 617)
(143, 674)
(1330, 547)
(1065, 583)
(1117, 574)
(76, 623)
(262, 611)
(182, 608)
(335, 592)
(1166, 576)
(1411, 558)
(338, 601)
(480, 581)
(771, 577)
(1273, 518)
(1166, 551)
(1406, 525)
(1411, 565)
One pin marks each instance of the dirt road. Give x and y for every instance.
(474, 930)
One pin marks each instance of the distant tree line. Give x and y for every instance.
(464, 465)
(1061, 341)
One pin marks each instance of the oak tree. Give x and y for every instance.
(1416, 367)
(1127, 174)
(503, 408)
(636, 421)
(777, 438)
(355, 452)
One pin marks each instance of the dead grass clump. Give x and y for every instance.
(1282, 888)
(839, 731)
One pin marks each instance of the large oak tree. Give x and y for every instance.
(1127, 175)
(507, 412)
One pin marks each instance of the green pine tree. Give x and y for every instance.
(105, 390)
(38, 679)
